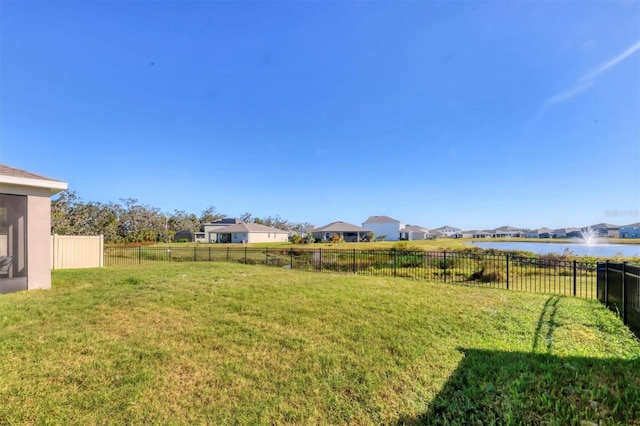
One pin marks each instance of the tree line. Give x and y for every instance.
(130, 221)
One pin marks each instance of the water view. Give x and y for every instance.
(577, 248)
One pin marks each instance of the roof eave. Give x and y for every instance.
(54, 186)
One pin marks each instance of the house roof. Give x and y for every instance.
(477, 232)
(508, 229)
(225, 221)
(381, 219)
(13, 176)
(538, 231)
(447, 228)
(250, 227)
(414, 228)
(341, 227)
(631, 225)
(603, 225)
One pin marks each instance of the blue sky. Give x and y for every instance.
(470, 114)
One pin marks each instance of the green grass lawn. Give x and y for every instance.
(227, 343)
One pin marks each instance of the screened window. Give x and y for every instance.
(13, 243)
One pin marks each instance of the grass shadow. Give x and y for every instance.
(495, 387)
(546, 320)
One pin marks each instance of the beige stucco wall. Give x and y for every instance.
(38, 241)
(264, 237)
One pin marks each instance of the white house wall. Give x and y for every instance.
(391, 230)
(413, 235)
(239, 237)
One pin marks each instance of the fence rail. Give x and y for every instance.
(533, 274)
(619, 289)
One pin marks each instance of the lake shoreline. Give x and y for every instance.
(576, 248)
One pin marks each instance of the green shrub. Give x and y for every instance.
(490, 273)
(296, 239)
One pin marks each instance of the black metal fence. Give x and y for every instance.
(619, 289)
(541, 274)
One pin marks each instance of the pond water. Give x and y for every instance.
(578, 249)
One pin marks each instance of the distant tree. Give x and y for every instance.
(246, 217)
(210, 214)
(180, 220)
(64, 210)
(140, 223)
(71, 216)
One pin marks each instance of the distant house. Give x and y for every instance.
(435, 234)
(574, 233)
(209, 232)
(565, 233)
(350, 233)
(507, 232)
(449, 231)
(184, 235)
(476, 234)
(384, 225)
(547, 233)
(413, 232)
(250, 233)
(559, 233)
(603, 230)
(630, 231)
(307, 229)
(539, 233)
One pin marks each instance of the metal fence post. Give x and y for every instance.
(575, 273)
(266, 257)
(139, 254)
(291, 258)
(395, 263)
(227, 254)
(195, 253)
(320, 258)
(624, 292)
(245, 255)
(209, 254)
(507, 258)
(169, 250)
(606, 282)
(444, 262)
(354, 261)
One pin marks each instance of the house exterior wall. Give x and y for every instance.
(239, 237)
(268, 237)
(416, 235)
(391, 229)
(210, 231)
(38, 236)
(630, 231)
(449, 232)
